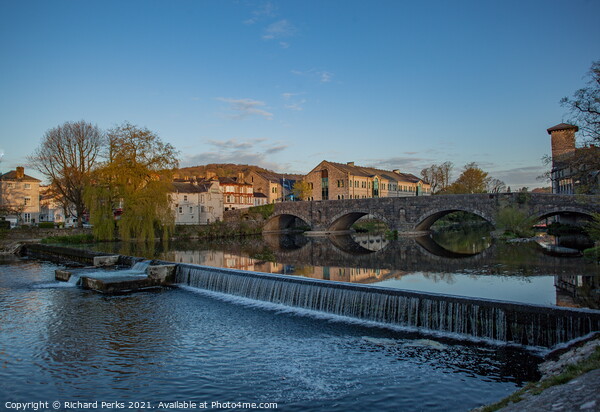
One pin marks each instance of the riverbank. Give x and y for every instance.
(11, 239)
(570, 381)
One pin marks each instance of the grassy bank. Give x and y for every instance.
(536, 388)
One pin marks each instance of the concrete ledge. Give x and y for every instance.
(162, 273)
(62, 275)
(118, 285)
(106, 260)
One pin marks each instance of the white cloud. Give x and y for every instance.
(243, 108)
(252, 151)
(265, 10)
(321, 75)
(278, 30)
(292, 103)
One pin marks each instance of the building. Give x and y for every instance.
(51, 210)
(329, 181)
(20, 197)
(574, 170)
(197, 202)
(278, 187)
(237, 194)
(260, 199)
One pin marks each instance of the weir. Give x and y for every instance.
(513, 323)
(529, 325)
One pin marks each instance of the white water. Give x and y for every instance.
(462, 316)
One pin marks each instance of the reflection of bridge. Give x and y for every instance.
(408, 214)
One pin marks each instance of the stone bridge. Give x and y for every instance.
(416, 214)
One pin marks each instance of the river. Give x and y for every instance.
(465, 263)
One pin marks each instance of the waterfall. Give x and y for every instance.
(140, 267)
(530, 325)
(74, 279)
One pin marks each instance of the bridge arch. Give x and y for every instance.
(283, 222)
(344, 221)
(424, 222)
(558, 211)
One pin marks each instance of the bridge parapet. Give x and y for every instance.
(408, 214)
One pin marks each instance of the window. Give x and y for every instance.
(324, 185)
(180, 209)
(27, 217)
(185, 198)
(191, 210)
(27, 201)
(27, 185)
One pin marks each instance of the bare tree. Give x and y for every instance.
(496, 186)
(66, 156)
(584, 107)
(438, 176)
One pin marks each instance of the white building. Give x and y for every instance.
(197, 202)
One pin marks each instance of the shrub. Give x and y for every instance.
(515, 222)
(46, 225)
(72, 239)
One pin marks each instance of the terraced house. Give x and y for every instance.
(20, 197)
(330, 181)
(197, 201)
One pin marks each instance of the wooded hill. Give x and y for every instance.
(220, 169)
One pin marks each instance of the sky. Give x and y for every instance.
(286, 84)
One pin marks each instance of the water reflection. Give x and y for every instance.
(467, 264)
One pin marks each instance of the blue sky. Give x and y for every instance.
(286, 84)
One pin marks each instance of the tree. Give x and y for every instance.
(301, 190)
(438, 176)
(496, 186)
(66, 157)
(136, 177)
(472, 180)
(584, 107)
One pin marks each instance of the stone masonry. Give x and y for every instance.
(413, 214)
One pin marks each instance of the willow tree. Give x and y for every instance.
(136, 178)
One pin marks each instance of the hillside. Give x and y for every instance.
(220, 169)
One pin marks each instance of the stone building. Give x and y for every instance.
(237, 194)
(197, 202)
(276, 186)
(329, 181)
(20, 197)
(572, 168)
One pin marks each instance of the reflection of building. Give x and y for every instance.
(20, 196)
(329, 180)
(577, 291)
(571, 169)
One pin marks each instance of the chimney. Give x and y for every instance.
(241, 177)
(397, 171)
(210, 175)
(20, 172)
(350, 163)
(562, 140)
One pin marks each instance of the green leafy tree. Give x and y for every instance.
(302, 190)
(135, 178)
(515, 222)
(472, 180)
(593, 227)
